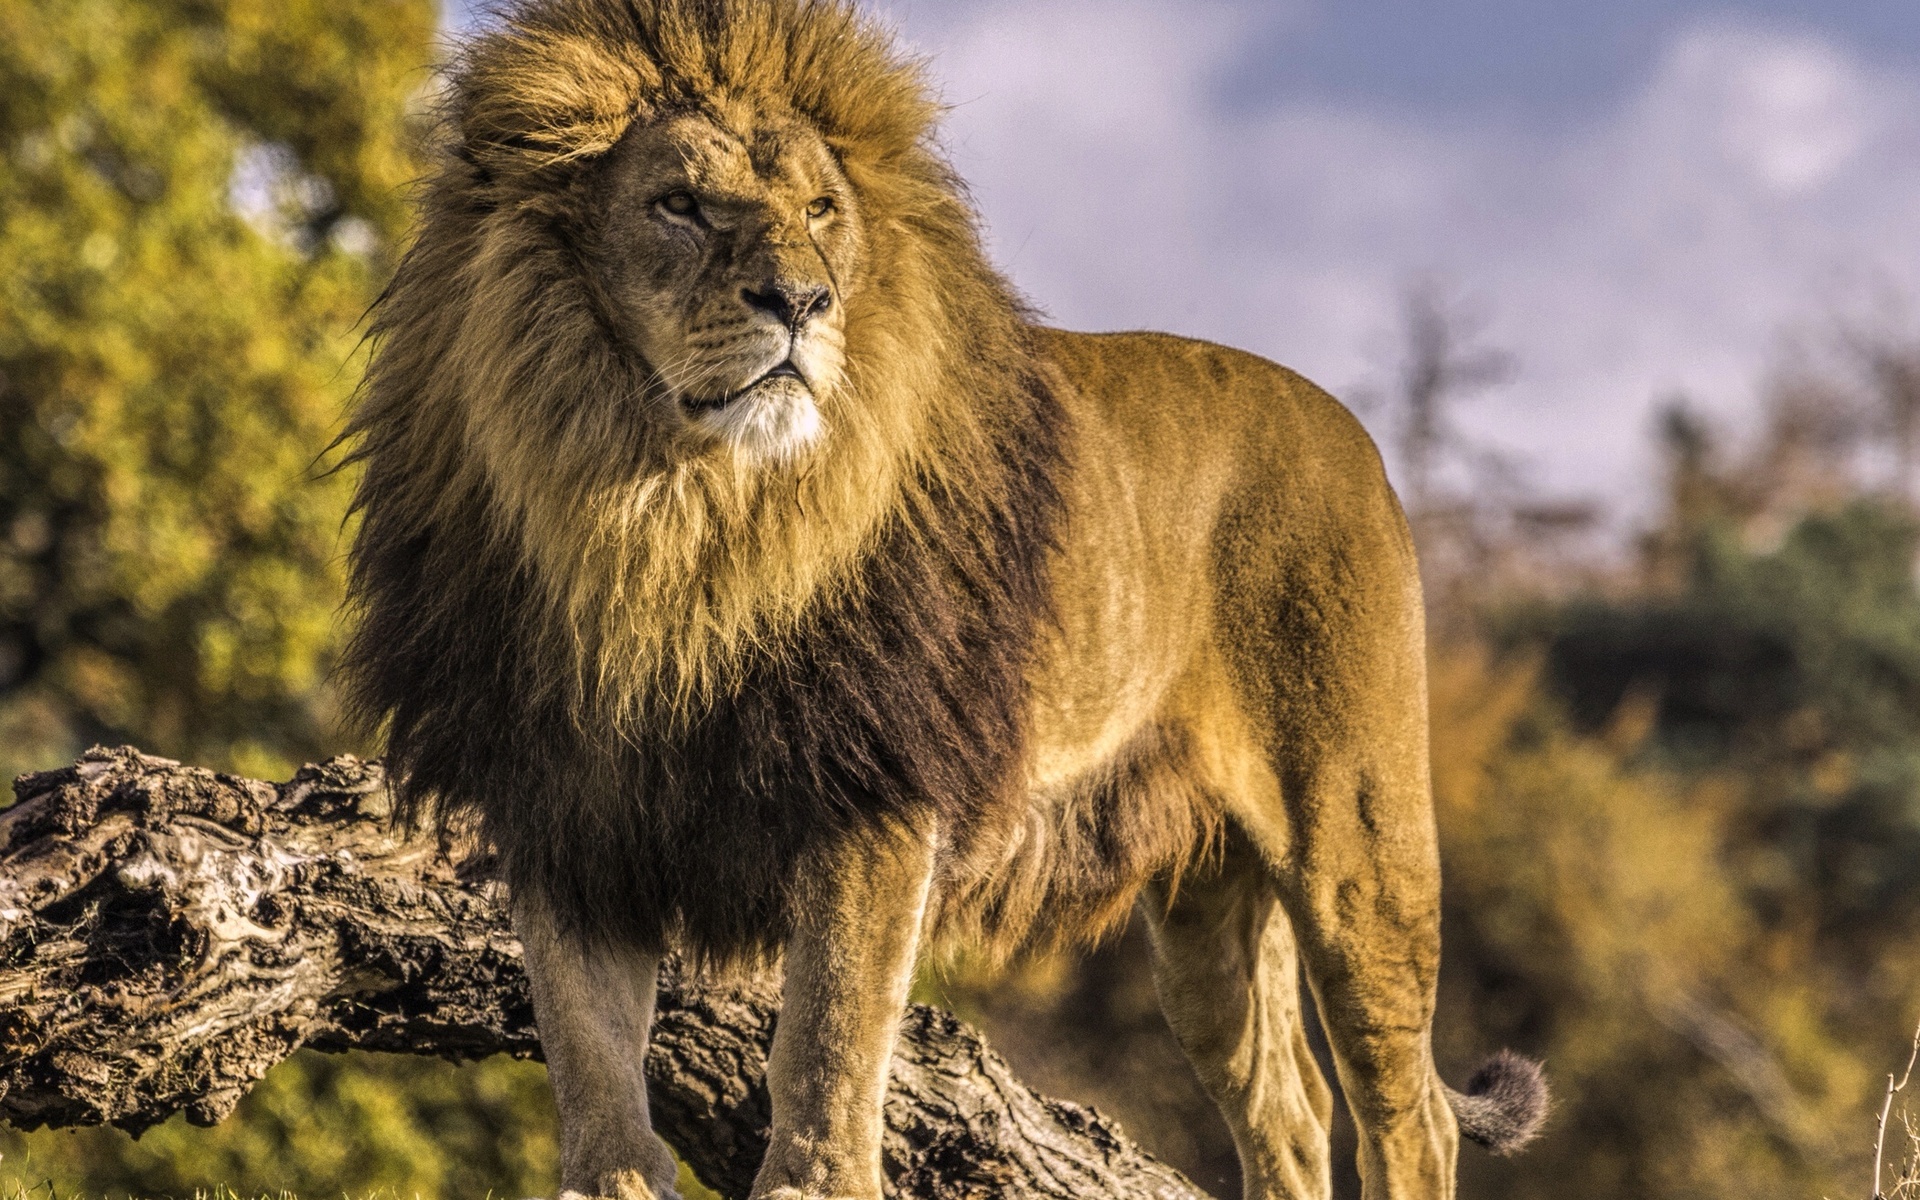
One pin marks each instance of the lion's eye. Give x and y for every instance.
(680, 204)
(821, 207)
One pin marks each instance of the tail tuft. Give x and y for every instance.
(1505, 1103)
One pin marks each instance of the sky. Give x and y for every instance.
(1636, 199)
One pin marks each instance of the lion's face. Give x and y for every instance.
(728, 256)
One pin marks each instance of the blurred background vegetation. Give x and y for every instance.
(198, 200)
(1678, 770)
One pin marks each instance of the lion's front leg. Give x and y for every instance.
(849, 966)
(594, 1007)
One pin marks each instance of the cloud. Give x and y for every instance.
(1791, 112)
(1756, 181)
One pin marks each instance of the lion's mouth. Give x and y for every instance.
(785, 370)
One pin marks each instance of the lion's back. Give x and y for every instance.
(1197, 456)
(1207, 488)
(1203, 410)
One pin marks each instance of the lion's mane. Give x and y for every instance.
(664, 684)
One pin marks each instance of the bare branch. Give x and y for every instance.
(1886, 1106)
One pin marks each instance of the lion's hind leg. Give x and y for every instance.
(1228, 977)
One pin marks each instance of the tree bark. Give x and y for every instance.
(168, 934)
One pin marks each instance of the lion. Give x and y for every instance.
(770, 584)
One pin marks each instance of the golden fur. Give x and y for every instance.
(737, 547)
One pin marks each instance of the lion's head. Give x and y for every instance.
(696, 311)
(728, 248)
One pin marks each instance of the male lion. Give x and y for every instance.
(770, 584)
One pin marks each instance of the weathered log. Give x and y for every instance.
(168, 934)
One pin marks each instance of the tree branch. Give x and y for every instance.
(168, 934)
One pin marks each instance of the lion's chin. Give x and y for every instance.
(775, 421)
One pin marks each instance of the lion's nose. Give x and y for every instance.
(792, 304)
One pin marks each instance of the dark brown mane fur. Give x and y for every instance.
(673, 788)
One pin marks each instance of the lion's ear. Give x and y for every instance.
(530, 99)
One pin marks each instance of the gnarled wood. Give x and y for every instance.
(168, 934)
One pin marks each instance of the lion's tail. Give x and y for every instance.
(1505, 1103)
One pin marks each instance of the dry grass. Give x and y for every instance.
(1907, 1185)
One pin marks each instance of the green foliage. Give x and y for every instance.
(1590, 919)
(1684, 859)
(198, 200)
(1799, 668)
(326, 1125)
(171, 367)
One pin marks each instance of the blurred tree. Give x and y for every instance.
(1714, 785)
(1589, 918)
(1479, 526)
(1891, 366)
(198, 200)
(1797, 667)
(1443, 364)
